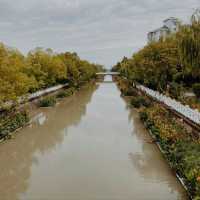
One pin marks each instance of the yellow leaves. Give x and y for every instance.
(40, 69)
(60, 71)
(13, 82)
(167, 125)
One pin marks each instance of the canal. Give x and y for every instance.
(91, 146)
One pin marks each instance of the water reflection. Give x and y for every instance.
(105, 79)
(39, 119)
(17, 156)
(82, 150)
(149, 162)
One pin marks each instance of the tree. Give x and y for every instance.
(13, 82)
(189, 46)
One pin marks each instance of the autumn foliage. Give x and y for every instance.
(169, 64)
(40, 69)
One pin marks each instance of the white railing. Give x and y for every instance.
(35, 95)
(185, 110)
(45, 91)
(108, 73)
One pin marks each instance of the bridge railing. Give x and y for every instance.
(108, 73)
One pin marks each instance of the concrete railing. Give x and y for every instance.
(185, 110)
(108, 73)
(35, 95)
(46, 91)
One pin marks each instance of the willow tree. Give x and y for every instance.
(189, 46)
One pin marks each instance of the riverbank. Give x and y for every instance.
(176, 140)
(17, 117)
(91, 137)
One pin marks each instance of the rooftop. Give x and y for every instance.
(171, 18)
(159, 29)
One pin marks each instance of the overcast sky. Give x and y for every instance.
(102, 31)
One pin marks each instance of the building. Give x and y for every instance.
(170, 25)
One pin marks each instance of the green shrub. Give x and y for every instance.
(185, 158)
(178, 77)
(135, 102)
(149, 124)
(183, 153)
(66, 93)
(175, 90)
(196, 89)
(130, 92)
(154, 130)
(62, 94)
(12, 122)
(47, 101)
(70, 91)
(147, 103)
(143, 116)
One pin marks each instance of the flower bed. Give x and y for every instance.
(180, 148)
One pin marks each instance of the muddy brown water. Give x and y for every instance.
(89, 147)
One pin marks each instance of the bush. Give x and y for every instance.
(130, 92)
(154, 130)
(70, 91)
(62, 94)
(47, 101)
(137, 102)
(147, 103)
(178, 77)
(10, 123)
(66, 93)
(196, 89)
(143, 116)
(175, 90)
(180, 148)
(185, 157)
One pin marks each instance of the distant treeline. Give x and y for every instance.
(170, 63)
(40, 69)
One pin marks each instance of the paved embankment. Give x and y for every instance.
(37, 94)
(184, 110)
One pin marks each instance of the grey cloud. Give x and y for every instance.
(100, 30)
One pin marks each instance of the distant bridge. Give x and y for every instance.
(108, 73)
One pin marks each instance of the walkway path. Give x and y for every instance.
(185, 110)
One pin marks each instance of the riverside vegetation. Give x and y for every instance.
(22, 75)
(170, 66)
(180, 146)
(51, 100)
